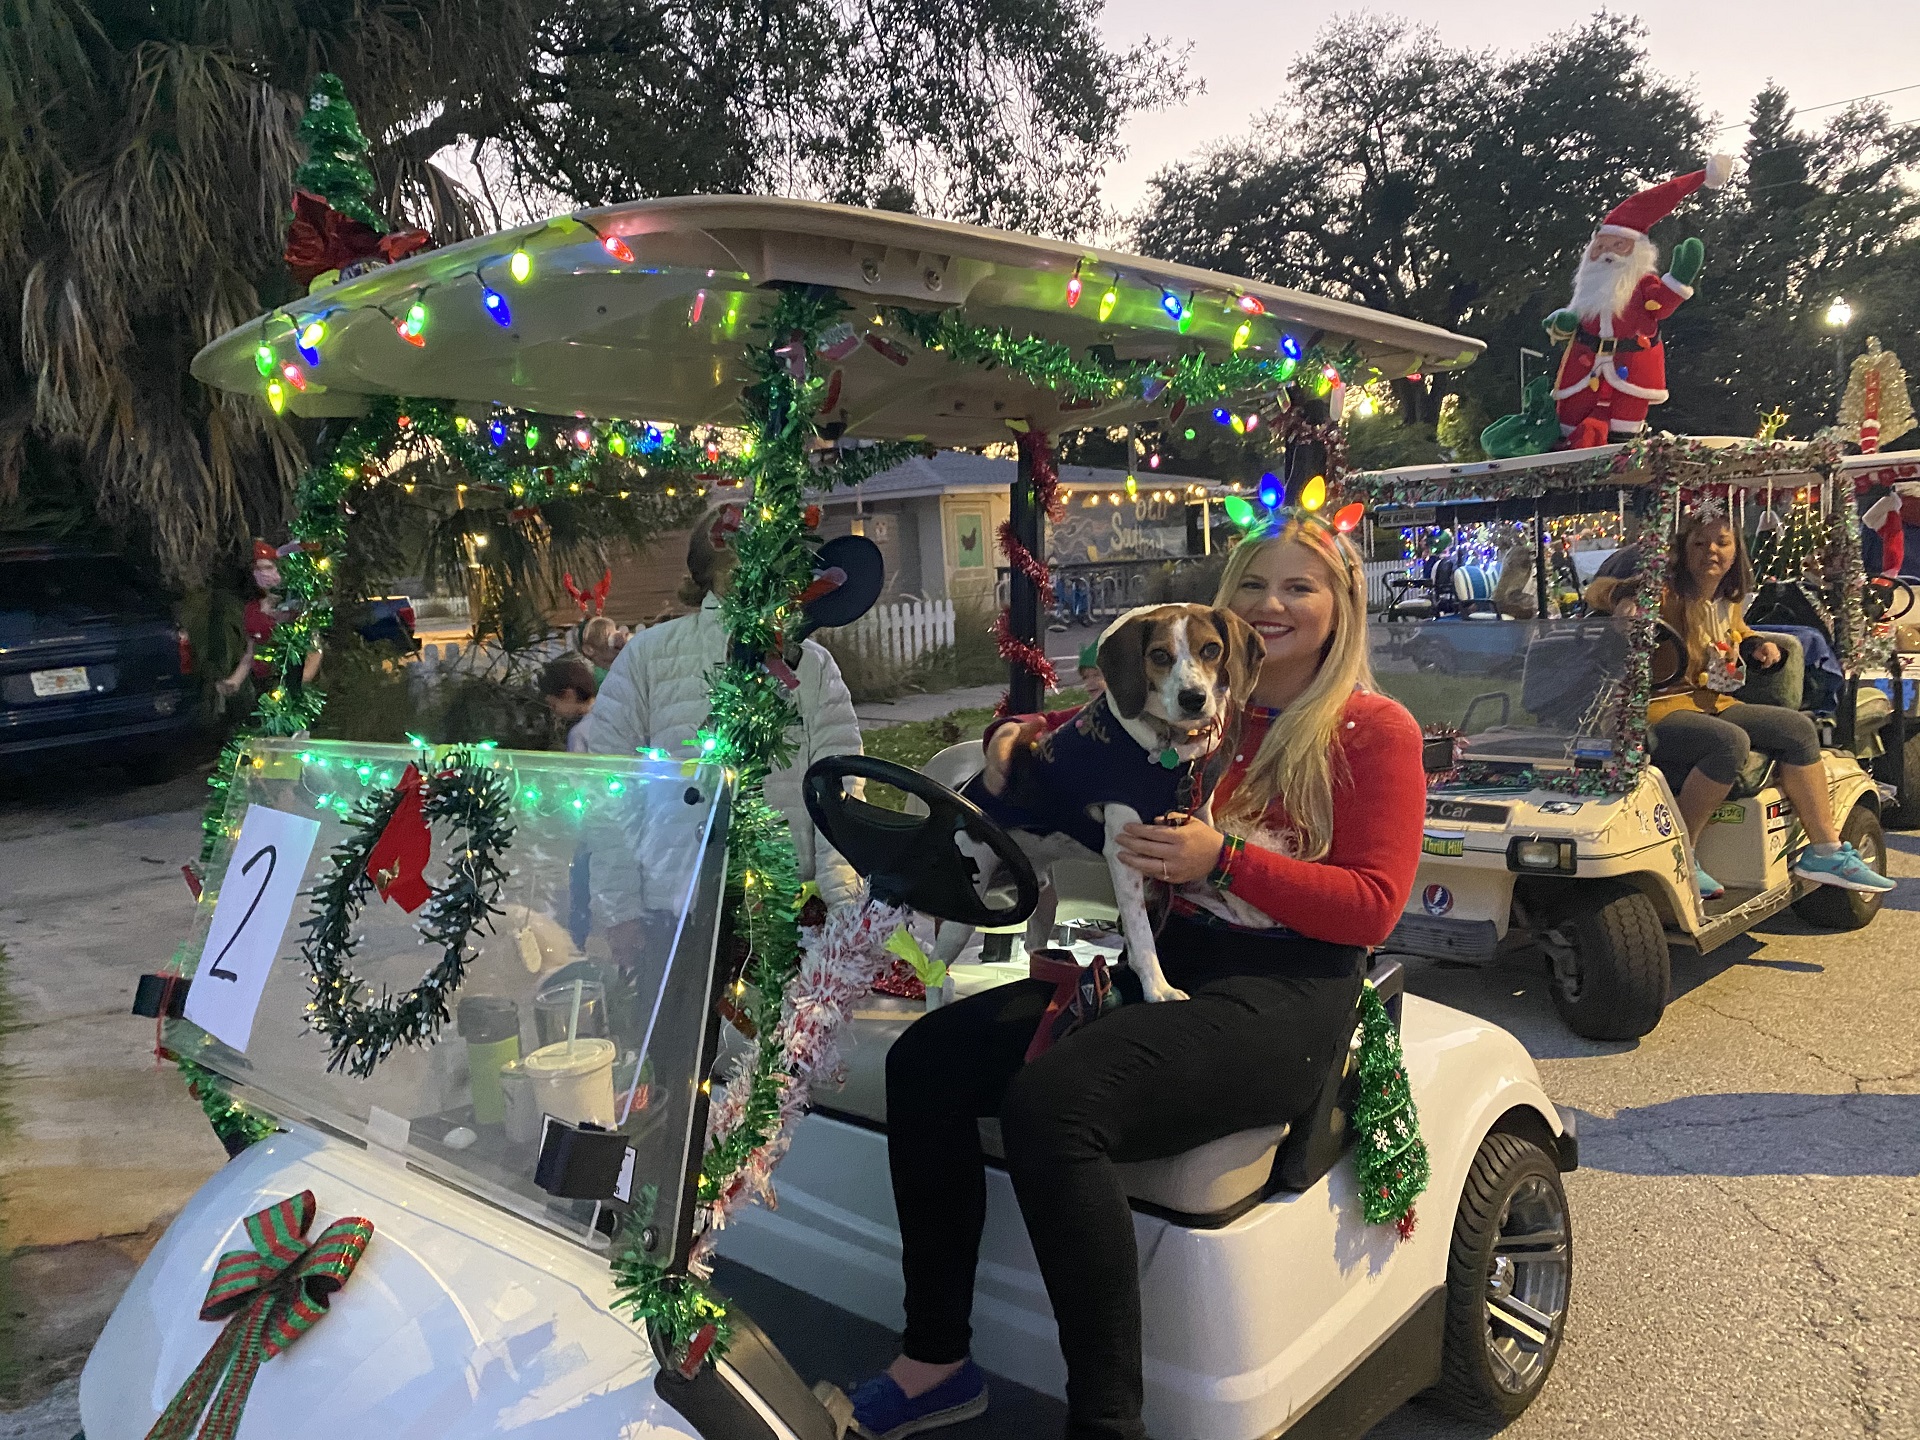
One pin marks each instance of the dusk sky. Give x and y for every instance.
(1242, 48)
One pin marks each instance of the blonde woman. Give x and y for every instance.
(1316, 840)
(1702, 734)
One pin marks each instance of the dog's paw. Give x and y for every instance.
(1164, 993)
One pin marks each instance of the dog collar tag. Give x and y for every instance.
(1168, 758)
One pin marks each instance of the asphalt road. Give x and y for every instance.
(1745, 1221)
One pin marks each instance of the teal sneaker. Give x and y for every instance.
(1844, 868)
(1710, 888)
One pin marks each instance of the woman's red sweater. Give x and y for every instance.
(1354, 894)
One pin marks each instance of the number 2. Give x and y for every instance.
(272, 856)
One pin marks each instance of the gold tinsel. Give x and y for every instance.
(1895, 410)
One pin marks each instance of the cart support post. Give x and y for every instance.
(1540, 559)
(1025, 693)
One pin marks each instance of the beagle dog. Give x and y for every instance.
(1154, 744)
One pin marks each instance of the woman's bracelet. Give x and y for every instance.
(1222, 876)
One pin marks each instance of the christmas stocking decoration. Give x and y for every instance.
(1883, 517)
(398, 861)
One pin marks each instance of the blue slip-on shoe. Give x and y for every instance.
(1710, 888)
(1844, 868)
(883, 1412)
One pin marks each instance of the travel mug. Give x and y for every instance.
(490, 1024)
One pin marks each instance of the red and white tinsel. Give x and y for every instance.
(839, 960)
(1038, 453)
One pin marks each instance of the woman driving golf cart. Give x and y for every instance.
(1327, 790)
(1702, 733)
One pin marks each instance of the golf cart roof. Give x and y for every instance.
(1690, 460)
(660, 335)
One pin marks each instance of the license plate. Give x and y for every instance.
(68, 680)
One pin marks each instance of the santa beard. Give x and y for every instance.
(1602, 287)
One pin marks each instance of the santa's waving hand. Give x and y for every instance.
(1615, 367)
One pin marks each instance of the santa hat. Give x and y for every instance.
(263, 551)
(1638, 214)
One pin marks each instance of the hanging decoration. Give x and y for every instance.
(270, 1294)
(1037, 453)
(1389, 1158)
(236, 1126)
(468, 790)
(335, 225)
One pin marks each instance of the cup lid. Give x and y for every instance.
(487, 1019)
(554, 1062)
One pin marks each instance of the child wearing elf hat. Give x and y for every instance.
(1091, 680)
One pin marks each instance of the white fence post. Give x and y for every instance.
(901, 633)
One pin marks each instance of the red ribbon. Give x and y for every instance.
(270, 1295)
(398, 861)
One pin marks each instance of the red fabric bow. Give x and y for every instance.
(321, 239)
(398, 861)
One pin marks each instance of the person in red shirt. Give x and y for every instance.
(1308, 861)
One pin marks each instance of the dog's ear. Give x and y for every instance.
(1123, 665)
(1246, 653)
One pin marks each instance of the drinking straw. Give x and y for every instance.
(573, 1018)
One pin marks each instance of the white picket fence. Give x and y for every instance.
(901, 633)
(1376, 572)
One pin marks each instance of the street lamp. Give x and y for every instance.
(1839, 316)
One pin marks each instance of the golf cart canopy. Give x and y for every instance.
(643, 311)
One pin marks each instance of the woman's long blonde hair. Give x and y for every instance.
(1297, 761)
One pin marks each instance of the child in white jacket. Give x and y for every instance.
(655, 695)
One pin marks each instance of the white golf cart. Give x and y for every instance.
(483, 1303)
(1543, 833)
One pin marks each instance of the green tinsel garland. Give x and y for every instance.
(237, 1126)
(1097, 377)
(1389, 1157)
(336, 167)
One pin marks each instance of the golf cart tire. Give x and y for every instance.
(1620, 948)
(1469, 1385)
(1903, 771)
(1830, 907)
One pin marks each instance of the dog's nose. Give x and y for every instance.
(1193, 701)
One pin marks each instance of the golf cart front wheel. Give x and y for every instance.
(1509, 1274)
(1832, 908)
(1610, 971)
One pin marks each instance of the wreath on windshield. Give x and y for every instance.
(469, 793)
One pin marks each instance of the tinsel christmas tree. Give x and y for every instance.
(1876, 408)
(336, 168)
(1781, 549)
(1389, 1157)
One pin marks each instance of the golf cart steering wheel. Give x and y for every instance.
(930, 863)
(1669, 659)
(1885, 598)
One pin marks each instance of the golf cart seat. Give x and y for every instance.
(1473, 592)
(1408, 597)
(1205, 1187)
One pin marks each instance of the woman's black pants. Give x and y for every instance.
(1252, 1047)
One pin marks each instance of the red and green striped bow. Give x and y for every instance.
(269, 1296)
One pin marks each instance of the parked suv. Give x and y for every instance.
(91, 665)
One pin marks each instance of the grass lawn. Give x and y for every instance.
(914, 742)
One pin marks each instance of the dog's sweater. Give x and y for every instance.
(1085, 760)
(1354, 894)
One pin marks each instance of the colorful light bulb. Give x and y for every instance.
(1133, 488)
(1220, 417)
(1239, 425)
(1290, 347)
(532, 436)
(308, 341)
(1314, 493)
(263, 359)
(1348, 517)
(617, 248)
(276, 396)
(520, 266)
(1170, 303)
(412, 337)
(1252, 305)
(497, 431)
(1253, 422)
(1073, 288)
(291, 374)
(496, 304)
(1108, 301)
(583, 437)
(1243, 335)
(617, 442)
(1153, 461)
(1238, 511)
(1270, 490)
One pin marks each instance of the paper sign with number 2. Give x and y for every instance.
(249, 922)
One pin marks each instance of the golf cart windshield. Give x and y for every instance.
(585, 1002)
(1540, 692)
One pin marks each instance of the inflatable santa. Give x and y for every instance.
(1615, 367)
